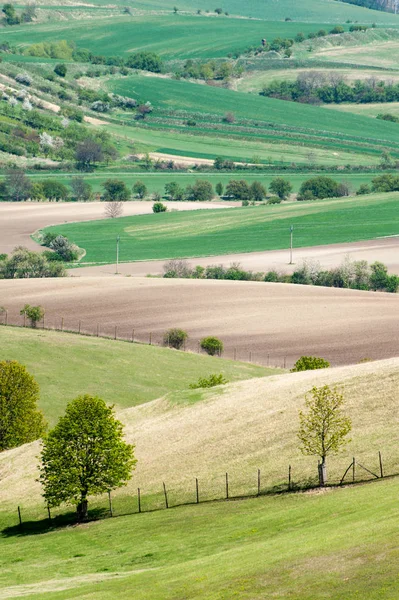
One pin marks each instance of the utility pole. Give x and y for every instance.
(291, 241)
(117, 254)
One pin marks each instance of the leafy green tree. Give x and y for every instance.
(24, 264)
(34, 314)
(239, 190)
(54, 190)
(258, 191)
(175, 338)
(88, 153)
(281, 187)
(81, 189)
(310, 363)
(64, 248)
(115, 190)
(212, 345)
(140, 189)
(146, 61)
(20, 420)
(319, 187)
(174, 191)
(380, 280)
(60, 70)
(323, 427)
(10, 16)
(219, 189)
(385, 183)
(200, 191)
(85, 455)
(159, 207)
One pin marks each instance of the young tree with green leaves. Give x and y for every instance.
(139, 189)
(115, 190)
(85, 455)
(281, 187)
(20, 420)
(323, 427)
(34, 314)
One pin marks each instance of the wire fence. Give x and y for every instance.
(195, 491)
(136, 334)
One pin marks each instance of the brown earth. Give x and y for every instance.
(275, 322)
(18, 220)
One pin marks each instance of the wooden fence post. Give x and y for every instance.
(166, 495)
(132, 336)
(289, 477)
(110, 504)
(381, 469)
(235, 353)
(43, 322)
(98, 329)
(285, 362)
(227, 486)
(6, 317)
(150, 338)
(80, 323)
(353, 470)
(116, 327)
(19, 517)
(196, 490)
(258, 482)
(139, 499)
(62, 323)
(268, 359)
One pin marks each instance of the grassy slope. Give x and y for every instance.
(261, 548)
(206, 233)
(67, 365)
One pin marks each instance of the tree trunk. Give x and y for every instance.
(322, 472)
(82, 510)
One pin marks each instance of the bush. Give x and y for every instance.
(147, 61)
(320, 187)
(64, 249)
(239, 190)
(60, 70)
(177, 268)
(159, 207)
(139, 189)
(258, 191)
(281, 187)
(208, 382)
(274, 200)
(175, 338)
(34, 314)
(310, 363)
(212, 345)
(115, 190)
(200, 191)
(24, 78)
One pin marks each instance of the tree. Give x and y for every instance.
(140, 189)
(258, 192)
(17, 185)
(88, 152)
(81, 189)
(84, 455)
(175, 338)
(319, 187)
(159, 207)
(281, 187)
(34, 314)
(10, 16)
(60, 70)
(20, 420)
(309, 363)
(115, 190)
(64, 249)
(146, 61)
(212, 345)
(219, 189)
(54, 190)
(24, 264)
(324, 427)
(200, 191)
(174, 191)
(239, 190)
(113, 209)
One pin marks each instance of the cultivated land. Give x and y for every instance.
(249, 229)
(272, 321)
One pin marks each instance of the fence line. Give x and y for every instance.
(131, 334)
(287, 486)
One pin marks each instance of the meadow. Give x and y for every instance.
(249, 229)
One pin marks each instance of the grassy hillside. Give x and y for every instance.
(66, 365)
(206, 233)
(260, 548)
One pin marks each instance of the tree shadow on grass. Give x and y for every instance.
(46, 525)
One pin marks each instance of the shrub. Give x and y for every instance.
(219, 189)
(200, 191)
(175, 338)
(24, 78)
(212, 345)
(320, 187)
(65, 250)
(115, 189)
(34, 314)
(147, 61)
(274, 200)
(208, 382)
(309, 363)
(174, 191)
(337, 29)
(60, 70)
(159, 207)
(258, 191)
(239, 190)
(281, 187)
(139, 189)
(363, 189)
(177, 268)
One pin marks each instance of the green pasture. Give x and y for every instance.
(235, 230)
(340, 544)
(171, 36)
(66, 365)
(369, 110)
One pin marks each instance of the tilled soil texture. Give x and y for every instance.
(262, 322)
(18, 220)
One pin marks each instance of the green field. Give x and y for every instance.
(263, 548)
(207, 233)
(66, 365)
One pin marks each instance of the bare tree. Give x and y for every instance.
(114, 209)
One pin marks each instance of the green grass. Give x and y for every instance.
(206, 233)
(66, 365)
(341, 544)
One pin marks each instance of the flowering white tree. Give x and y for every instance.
(46, 140)
(27, 105)
(65, 122)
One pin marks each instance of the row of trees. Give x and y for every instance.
(23, 264)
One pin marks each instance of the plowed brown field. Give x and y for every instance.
(279, 320)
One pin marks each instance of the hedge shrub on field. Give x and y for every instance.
(212, 345)
(309, 363)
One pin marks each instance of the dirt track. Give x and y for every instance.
(18, 220)
(280, 320)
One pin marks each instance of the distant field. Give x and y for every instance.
(381, 55)
(369, 110)
(170, 235)
(172, 37)
(67, 365)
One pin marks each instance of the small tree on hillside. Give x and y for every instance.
(60, 70)
(139, 189)
(34, 314)
(85, 454)
(258, 191)
(281, 187)
(115, 189)
(310, 363)
(219, 189)
(175, 338)
(20, 420)
(212, 345)
(200, 191)
(324, 427)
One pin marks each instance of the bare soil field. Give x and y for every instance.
(18, 220)
(238, 428)
(276, 323)
(384, 250)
